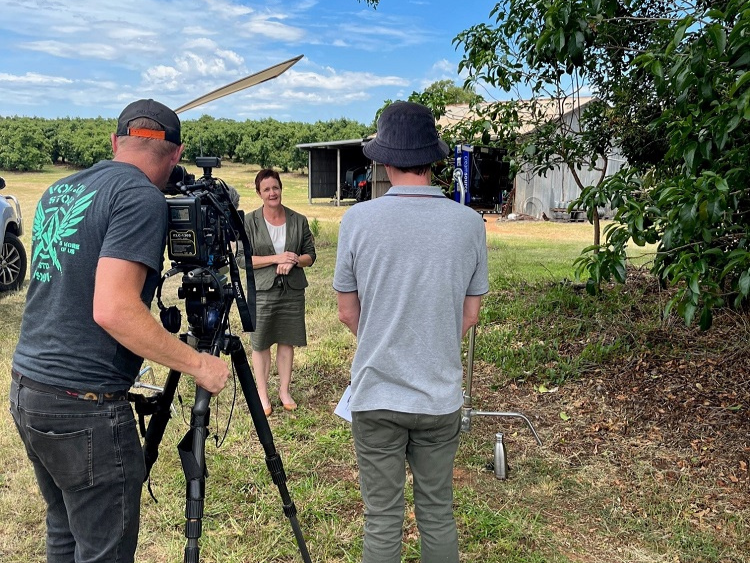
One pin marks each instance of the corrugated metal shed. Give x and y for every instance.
(552, 193)
(328, 163)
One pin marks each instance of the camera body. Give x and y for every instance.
(198, 226)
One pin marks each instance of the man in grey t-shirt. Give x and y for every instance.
(97, 248)
(410, 271)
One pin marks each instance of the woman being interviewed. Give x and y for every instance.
(282, 246)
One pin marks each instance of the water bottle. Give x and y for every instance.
(501, 461)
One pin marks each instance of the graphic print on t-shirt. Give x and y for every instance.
(55, 223)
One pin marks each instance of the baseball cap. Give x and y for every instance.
(150, 109)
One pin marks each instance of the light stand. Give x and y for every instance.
(467, 413)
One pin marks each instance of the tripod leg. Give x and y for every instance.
(192, 451)
(159, 420)
(273, 459)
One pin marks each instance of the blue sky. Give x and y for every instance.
(71, 58)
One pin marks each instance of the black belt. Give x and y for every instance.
(52, 390)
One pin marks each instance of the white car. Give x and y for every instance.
(12, 254)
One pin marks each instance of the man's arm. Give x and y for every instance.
(118, 309)
(349, 309)
(471, 312)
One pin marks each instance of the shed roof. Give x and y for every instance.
(333, 144)
(549, 107)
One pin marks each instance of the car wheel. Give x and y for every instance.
(12, 263)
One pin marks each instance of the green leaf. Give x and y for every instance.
(694, 283)
(688, 312)
(690, 154)
(657, 69)
(619, 271)
(564, 416)
(742, 60)
(680, 32)
(741, 81)
(591, 287)
(718, 37)
(744, 283)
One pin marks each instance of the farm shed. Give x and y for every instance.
(327, 166)
(536, 195)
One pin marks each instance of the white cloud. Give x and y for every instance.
(444, 66)
(272, 29)
(323, 98)
(229, 9)
(128, 34)
(101, 84)
(230, 56)
(73, 51)
(199, 43)
(162, 76)
(339, 81)
(199, 30)
(32, 78)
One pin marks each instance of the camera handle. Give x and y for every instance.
(192, 447)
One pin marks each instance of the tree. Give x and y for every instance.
(443, 93)
(88, 142)
(546, 55)
(23, 144)
(695, 202)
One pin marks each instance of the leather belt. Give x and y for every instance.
(70, 393)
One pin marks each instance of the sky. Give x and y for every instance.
(72, 58)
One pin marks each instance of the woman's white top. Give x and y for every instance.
(278, 236)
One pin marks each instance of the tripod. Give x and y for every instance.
(208, 302)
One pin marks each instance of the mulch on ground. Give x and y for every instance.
(680, 401)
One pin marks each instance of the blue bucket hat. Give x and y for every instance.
(406, 137)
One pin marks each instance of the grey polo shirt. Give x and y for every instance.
(412, 256)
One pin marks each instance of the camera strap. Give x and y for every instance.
(245, 306)
(235, 229)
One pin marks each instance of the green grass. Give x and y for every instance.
(537, 327)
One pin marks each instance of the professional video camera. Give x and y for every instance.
(203, 222)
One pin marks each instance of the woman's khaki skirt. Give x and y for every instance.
(280, 318)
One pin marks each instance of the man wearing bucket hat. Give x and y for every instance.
(410, 271)
(98, 245)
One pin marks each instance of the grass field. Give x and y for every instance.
(592, 493)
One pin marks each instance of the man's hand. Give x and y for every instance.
(212, 374)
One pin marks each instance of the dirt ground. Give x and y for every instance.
(682, 402)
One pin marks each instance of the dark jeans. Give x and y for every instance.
(89, 465)
(384, 441)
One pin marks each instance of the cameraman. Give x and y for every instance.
(98, 247)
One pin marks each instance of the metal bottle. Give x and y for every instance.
(501, 461)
